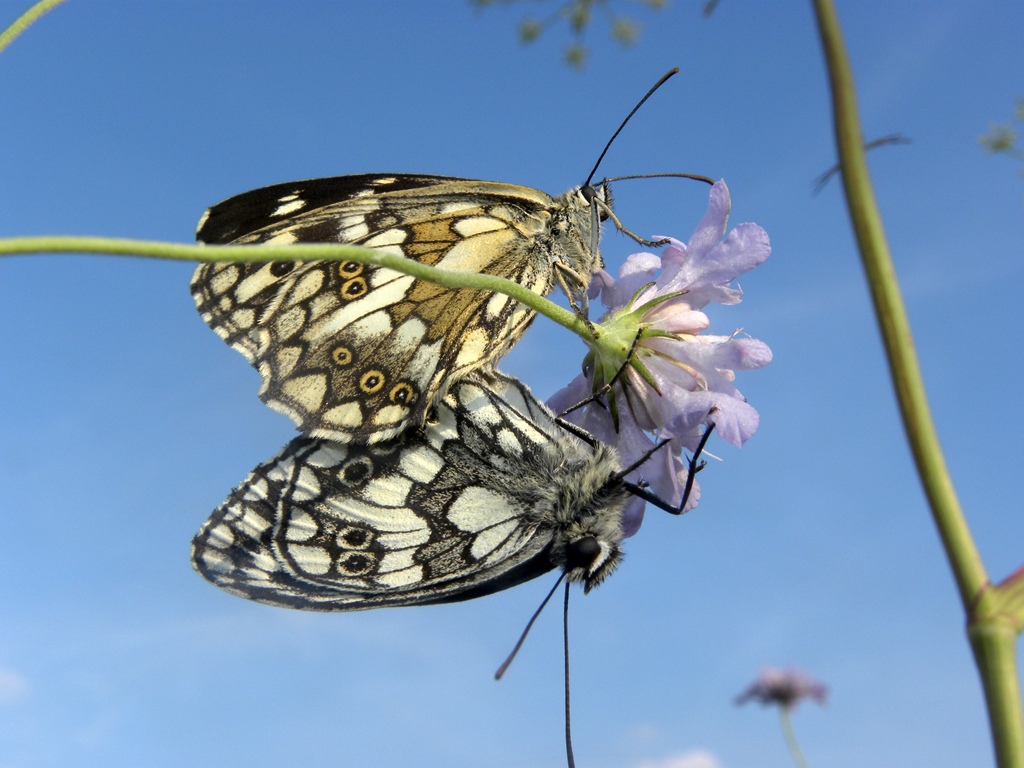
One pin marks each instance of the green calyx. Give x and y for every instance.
(618, 342)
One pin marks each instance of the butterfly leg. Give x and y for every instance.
(607, 211)
(577, 296)
(694, 465)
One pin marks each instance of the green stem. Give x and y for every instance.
(892, 317)
(296, 252)
(790, 736)
(25, 20)
(983, 604)
(994, 644)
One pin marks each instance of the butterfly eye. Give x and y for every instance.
(354, 288)
(356, 565)
(597, 198)
(371, 382)
(352, 537)
(582, 553)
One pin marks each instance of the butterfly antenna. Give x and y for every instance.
(643, 459)
(893, 138)
(529, 626)
(565, 643)
(607, 211)
(692, 176)
(655, 87)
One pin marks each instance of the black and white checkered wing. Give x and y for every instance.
(488, 494)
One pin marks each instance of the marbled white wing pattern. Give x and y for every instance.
(490, 493)
(355, 352)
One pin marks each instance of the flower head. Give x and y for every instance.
(678, 380)
(784, 687)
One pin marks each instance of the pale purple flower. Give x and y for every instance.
(784, 687)
(680, 379)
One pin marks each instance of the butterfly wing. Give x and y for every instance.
(459, 509)
(355, 352)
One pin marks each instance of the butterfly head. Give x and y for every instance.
(575, 226)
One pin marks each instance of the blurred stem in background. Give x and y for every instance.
(995, 614)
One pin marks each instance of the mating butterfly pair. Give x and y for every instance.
(424, 475)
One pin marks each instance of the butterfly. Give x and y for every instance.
(354, 352)
(489, 493)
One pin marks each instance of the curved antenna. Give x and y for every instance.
(655, 87)
(529, 626)
(694, 176)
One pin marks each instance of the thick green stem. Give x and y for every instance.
(994, 643)
(25, 20)
(991, 634)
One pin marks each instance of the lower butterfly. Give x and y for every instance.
(491, 492)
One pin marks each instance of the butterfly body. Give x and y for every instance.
(489, 493)
(355, 352)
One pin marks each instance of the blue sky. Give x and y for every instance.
(126, 420)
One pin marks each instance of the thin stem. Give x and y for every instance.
(892, 317)
(25, 20)
(990, 632)
(790, 736)
(296, 252)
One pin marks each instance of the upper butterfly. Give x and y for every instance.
(353, 352)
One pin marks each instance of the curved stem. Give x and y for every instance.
(892, 317)
(25, 20)
(992, 636)
(296, 252)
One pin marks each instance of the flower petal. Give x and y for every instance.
(633, 516)
(638, 270)
(712, 226)
(576, 391)
(687, 381)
